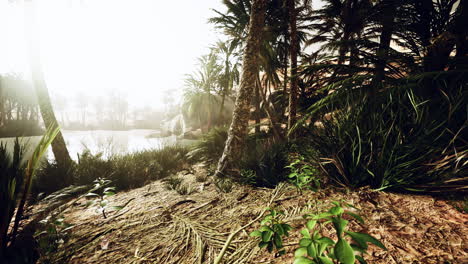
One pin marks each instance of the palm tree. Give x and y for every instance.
(59, 148)
(339, 25)
(200, 100)
(230, 76)
(293, 53)
(238, 129)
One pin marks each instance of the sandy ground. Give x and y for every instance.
(162, 226)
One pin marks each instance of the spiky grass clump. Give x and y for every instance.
(395, 139)
(211, 146)
(125, 171)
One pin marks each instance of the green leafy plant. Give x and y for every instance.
(16, 177)
(272, 231)
(303, 175)
(101, 191)
(54, 232)
(11, 177)
(317, 249)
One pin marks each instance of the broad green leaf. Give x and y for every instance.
(305, 242)
(278, 241)
(262, 244)
(340, 225)
(270, 247)
(265, 228)
(337, 210)
(300, 252)
(343, 252)
(311, 250)
(322, 215)
(303, 260)
(311, 224)
(325, 260)
(279, 229)
(305, 233)
(326, 240)
(286, 227)
(266, 236)
(256, 233)
(355, 216)
(362, 239)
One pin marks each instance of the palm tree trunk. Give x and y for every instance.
(238, 129)
(59, 148)
(389, 12)
(293, 52)
(271, 113)
(285, 62)
(257, 109)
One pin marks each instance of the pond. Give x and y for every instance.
(107, 142)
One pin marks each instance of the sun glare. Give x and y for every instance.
(139, 47)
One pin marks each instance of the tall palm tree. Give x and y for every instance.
(293, 54)
(59, 148)
(339, 25)
(238, 129)
(230, 77)
(201, 86)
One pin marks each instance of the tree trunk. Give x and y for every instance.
(238, 129)
(388, 12)
(257, 109)
(59, 148)
(271, 113)
(285, 69)
(293, 53)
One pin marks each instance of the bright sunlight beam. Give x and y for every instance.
(139, 47)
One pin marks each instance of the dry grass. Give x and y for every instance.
(161, 226)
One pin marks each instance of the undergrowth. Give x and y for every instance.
(125, 171)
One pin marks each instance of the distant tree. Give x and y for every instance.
(230, 76)
(99, 106)
(201, 88)
(82, 103)
(238, 129)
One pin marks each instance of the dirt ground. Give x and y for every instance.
(161, 226)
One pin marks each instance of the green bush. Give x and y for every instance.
(394, 139)
(264, 163)
(211, 146)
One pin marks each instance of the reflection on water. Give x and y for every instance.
(106, 142)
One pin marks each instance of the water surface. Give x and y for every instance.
(107, 142)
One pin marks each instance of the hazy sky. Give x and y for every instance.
(141, 47)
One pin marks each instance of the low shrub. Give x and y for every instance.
(211, 146)
(125, 171)
(264, 163)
